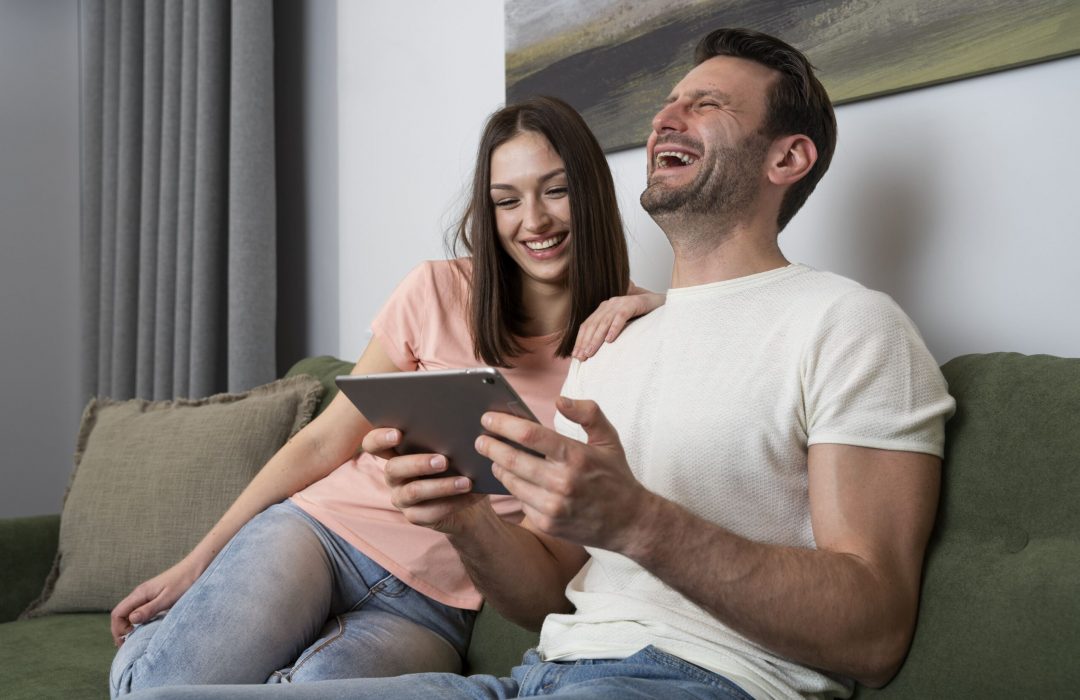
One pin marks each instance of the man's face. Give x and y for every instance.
(705, 152)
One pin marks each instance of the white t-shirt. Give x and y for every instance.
(716, 397)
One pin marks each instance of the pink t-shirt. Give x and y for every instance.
(423, 327)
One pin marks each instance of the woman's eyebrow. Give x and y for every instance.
(543, 178)
(554, 173)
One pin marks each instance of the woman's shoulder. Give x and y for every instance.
(438, 274)
(444, 283)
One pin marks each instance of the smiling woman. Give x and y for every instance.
(532, 211)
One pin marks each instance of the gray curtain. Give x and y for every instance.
(178, 196)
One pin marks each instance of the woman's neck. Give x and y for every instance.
(546, 306)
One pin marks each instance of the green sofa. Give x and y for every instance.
(1000, 613)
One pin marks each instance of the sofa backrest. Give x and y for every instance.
(1000, 611)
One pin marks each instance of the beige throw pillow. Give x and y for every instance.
(152, 477)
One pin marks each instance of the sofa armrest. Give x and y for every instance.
(27, 549)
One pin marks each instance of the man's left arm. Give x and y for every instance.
(848, 606)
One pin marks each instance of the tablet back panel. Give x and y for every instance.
(438, 412)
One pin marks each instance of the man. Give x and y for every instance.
(738, 500)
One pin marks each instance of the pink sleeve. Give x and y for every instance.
(399, 325)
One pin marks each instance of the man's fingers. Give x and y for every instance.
(525, 432)
(521, 464)
(537, 502)
(589, 416)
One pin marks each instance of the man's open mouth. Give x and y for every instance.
(673, 159)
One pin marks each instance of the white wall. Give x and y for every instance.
(39, 252)
(957, 200)
(415, 83)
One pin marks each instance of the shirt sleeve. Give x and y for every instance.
(869, 381)
(399, 325)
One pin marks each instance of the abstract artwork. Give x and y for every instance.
(615, 61)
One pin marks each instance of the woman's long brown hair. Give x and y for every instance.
(599, 264)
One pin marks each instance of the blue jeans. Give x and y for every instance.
(288, 601)
(648, 674)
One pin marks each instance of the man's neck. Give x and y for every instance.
(747, 249)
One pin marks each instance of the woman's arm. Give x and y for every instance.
(610, 318)
(320, 447)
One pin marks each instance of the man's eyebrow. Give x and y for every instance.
(543, 178)
(719, 95)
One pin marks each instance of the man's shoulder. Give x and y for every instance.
(821, 294)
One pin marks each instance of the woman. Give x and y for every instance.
(333, 582)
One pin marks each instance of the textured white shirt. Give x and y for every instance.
(716, 397)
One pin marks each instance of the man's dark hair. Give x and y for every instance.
(599, 264)
(796, 104)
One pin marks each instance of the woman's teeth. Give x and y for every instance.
(546, 243)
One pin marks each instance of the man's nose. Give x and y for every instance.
(669, 118)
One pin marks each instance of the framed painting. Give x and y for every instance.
(615, 61)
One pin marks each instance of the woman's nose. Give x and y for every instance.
(536, 216)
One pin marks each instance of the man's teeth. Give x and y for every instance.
(663, 156)
(546, 243)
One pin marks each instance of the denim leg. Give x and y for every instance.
(254, 609)
(370, 643)
(421, 686)
(387, 628)
(283, 581)
(646, 675)
(650, 673)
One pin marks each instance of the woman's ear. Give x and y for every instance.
(790, 159)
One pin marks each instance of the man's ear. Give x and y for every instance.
(790, 159)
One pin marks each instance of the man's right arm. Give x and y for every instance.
(520, 571)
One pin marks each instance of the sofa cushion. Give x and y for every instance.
(324, 368)
(1000, 608)
(497, 644)
(56, 657)
(27, 551)
(152, 477)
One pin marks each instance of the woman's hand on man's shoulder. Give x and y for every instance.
(610, 318)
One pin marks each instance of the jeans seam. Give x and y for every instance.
(300, 662)
(372, 591)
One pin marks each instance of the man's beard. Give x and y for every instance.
(724, 188)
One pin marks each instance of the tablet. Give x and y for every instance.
(439, 412)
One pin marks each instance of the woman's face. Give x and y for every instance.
(532, 206)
